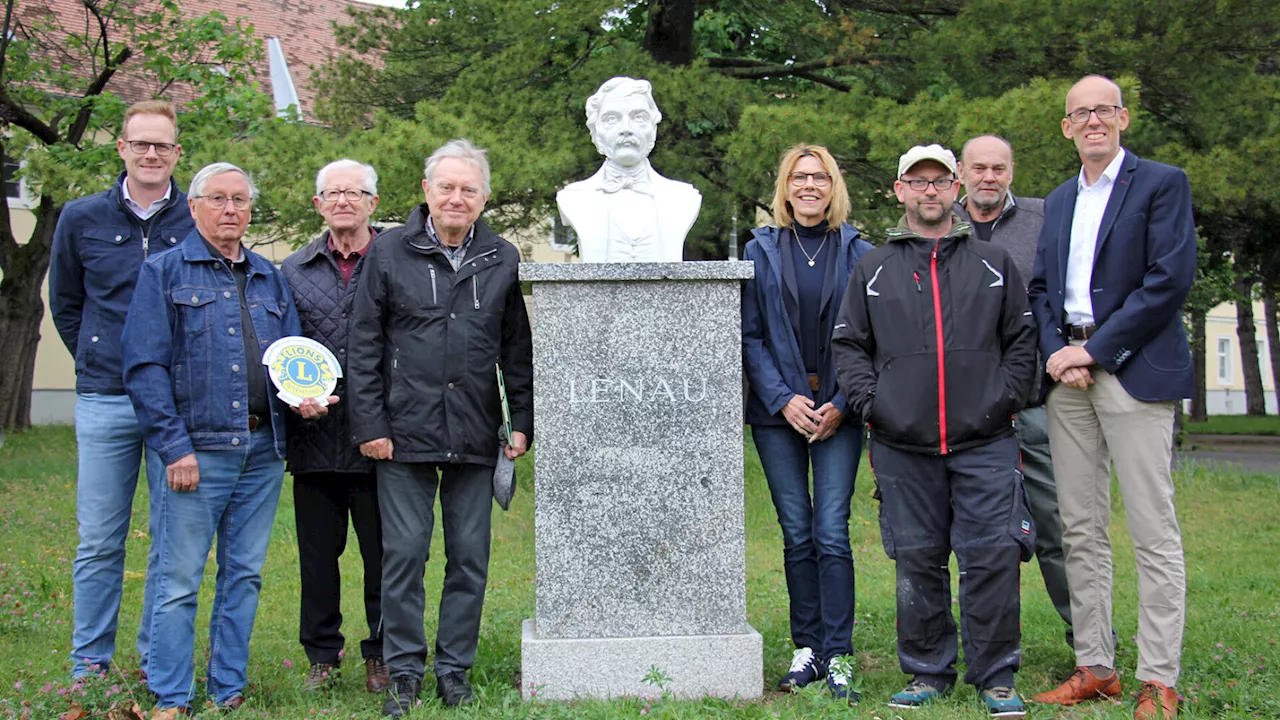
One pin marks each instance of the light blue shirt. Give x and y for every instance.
(147, 212)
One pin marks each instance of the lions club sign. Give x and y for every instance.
(302, 368)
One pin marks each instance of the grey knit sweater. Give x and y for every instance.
(1017, 230)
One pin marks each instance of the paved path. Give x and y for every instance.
(1247, 453)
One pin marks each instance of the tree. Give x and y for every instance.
(1271, 310)
(57, 77)
(738, 82)
(1247, 333)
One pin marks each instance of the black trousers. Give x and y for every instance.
(971, 502)
(407, 492)
(322, 503)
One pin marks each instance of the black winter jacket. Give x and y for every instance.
(935, 345)
(424, 341)
(324, 307)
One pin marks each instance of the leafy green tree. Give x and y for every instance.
(57, 77)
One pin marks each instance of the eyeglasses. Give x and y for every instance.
(352, 196)
(820, 179)
(941, 184)
(1104, 112)
(141, 147)
(238, 202)
(447, 189)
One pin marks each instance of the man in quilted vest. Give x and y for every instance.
(331, 479)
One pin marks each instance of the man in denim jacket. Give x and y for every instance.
(100, 242)
(193, 342)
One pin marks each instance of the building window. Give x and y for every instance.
(15, 189)
(1224, 361)
(12, 185)
(563, 238)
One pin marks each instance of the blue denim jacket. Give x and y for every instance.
(98, 247)
(184, 352)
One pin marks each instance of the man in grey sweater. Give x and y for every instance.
(986, 169)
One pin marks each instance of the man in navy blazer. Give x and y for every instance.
(1115, 261)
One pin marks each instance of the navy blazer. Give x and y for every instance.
(1143, 268)
(770, 331)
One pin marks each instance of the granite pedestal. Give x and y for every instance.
(640, 540)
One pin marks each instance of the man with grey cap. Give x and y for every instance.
(935, 350)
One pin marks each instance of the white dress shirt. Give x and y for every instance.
(147, 212)
(1091, 204)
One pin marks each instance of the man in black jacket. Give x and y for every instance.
(935, 349)
(438, 306)
(331, 479)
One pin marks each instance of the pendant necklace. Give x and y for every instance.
(814, 257)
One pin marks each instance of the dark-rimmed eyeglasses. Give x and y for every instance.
(1080, 116)
(238, 202)
(351, 196)
(140, 147)
(919, 185)
(820, 179)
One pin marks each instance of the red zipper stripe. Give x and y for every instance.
(942, 373)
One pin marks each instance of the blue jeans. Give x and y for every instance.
(816, 555)
(110, 452)
(236, 500)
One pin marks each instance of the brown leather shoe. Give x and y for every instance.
(1155, 701)
(377, 678)
(233, 704)
(321, 676)
(1082, 686)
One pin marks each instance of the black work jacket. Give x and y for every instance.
(324, 307)
(934, 344)
(425, 339)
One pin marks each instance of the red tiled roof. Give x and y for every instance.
(304, 28)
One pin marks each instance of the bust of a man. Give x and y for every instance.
(627, 212)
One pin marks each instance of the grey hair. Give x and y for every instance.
(459, 149)
(218, 168)
(620, 86)
(370, 175)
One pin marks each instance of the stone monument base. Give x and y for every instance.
(696, 666)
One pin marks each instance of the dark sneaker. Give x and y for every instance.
(1003, 702)
(321, 676)
(805, 668)
(916, 695)
(453, 688)
(403, 695)
(840, 679)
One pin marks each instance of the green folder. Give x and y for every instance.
(506, 409)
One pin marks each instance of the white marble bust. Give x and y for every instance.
(627, 212)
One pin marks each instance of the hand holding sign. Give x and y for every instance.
(302, 369)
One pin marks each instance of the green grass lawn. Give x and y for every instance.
(1236, 425)
(1229, 522)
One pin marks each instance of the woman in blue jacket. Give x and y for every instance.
(797, 413)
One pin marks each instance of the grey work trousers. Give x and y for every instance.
(406, 495)
(1042, 494)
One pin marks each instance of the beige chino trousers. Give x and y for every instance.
(1088, 429)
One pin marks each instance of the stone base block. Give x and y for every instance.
(696, 666)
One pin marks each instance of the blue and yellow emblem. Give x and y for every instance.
(302, 368)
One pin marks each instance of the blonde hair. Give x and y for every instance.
(837, 210)
(163, 108)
